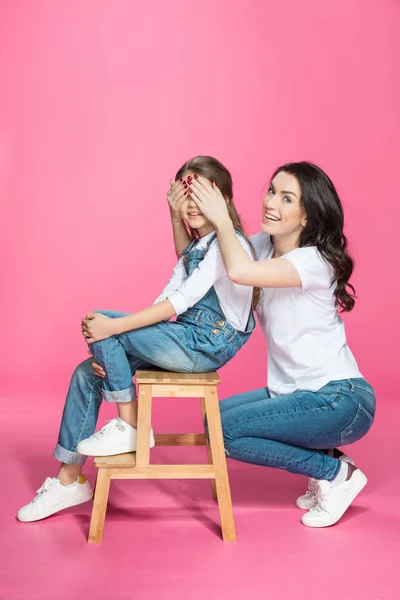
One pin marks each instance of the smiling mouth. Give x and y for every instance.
(271, 217)
(193, 215)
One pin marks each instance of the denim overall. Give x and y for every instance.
(200, 340)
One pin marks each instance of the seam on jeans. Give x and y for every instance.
(257, 419)
(196, 362)
(86, 413)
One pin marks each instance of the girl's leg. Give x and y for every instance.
(160, 345)
(69, 487)
(79, 419)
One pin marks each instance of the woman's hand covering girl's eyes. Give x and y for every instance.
(209, 200)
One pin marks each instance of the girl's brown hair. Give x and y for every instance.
(214, 171)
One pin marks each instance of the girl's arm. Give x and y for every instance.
(176, 197)
(273, 272)
(180, 294)
(96, 327)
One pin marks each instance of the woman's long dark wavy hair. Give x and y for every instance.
(324, 228)
(213, 170)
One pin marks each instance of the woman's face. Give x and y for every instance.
(192, 215)
(283, 212)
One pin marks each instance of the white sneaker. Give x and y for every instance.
(53, 497)
(332, 502)
(117, 437)
(309, 499)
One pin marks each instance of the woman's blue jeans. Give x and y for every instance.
(291, 432)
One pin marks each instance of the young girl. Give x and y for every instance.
(316, 397)
(214, 320)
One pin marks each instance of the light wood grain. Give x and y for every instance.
(219, 462)
(143, 426)
(99, 506)
(177, 378)
(209, 456)
(136, 465)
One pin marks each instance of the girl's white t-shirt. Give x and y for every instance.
(305, 335)
(184, 292)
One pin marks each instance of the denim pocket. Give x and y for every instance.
(367, 396)
(359, 426)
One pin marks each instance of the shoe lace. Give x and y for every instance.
(312, 487)
(110, 426)
(49, 483)
(322, 502)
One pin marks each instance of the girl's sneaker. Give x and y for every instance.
(332, 502)
(117, 437)
(309, 499)
(53, 497)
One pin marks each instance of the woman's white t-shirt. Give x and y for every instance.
(305, 335)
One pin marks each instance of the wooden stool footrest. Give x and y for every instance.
(163, 472)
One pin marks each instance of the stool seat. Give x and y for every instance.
(156, 377)
(136, 465)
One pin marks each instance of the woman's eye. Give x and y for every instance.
(286, 199)
(271, 191)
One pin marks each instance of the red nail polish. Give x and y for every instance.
(189, 178)
(196, 176)
(185, 187)
(181, 179)
(185, 193)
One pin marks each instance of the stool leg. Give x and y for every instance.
(143, 426)
(219, 462)
(99, 506)
(209, 456)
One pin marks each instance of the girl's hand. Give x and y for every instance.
(96, 327)
(176, 197)
(209, 200)
(98, 370)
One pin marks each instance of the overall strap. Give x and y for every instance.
(194, 242)
(189, 248)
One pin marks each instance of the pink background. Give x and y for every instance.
(100, 102)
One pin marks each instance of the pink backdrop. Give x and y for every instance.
(101, 102)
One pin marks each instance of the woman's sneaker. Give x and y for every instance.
(309, 499)
(53, 497)
(117, 437)
(332, 502)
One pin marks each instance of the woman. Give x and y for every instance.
(316, 397)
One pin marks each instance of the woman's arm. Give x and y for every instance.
(273, 272)
(176, 197)
(180, 294)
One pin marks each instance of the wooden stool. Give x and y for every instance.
(136, 465)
